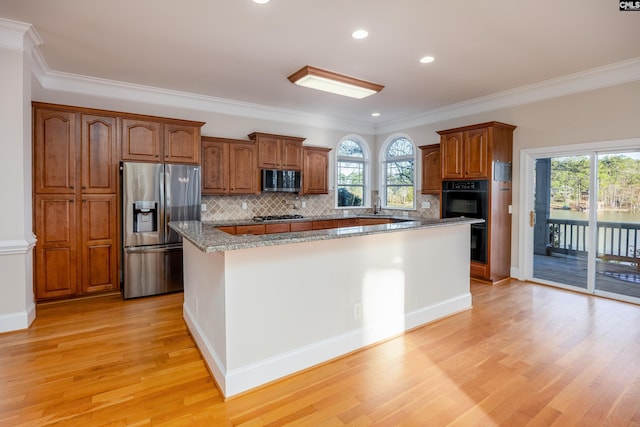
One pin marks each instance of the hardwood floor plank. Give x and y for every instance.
(525, 354)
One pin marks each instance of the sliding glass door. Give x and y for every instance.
(584, 221)
(560, 220)
(618, 221)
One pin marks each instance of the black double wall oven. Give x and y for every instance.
(471, 200)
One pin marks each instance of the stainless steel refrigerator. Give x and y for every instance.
(152, 195)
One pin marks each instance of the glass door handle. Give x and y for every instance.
(532, 218)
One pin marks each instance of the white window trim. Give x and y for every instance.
(382, 171)
(367, 171)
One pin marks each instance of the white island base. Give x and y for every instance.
(262, 313)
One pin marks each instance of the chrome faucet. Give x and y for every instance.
(377, 205)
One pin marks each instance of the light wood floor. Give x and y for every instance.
(524, 355)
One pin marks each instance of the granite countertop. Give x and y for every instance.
(208, 238)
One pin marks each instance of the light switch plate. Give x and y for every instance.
(203, 207)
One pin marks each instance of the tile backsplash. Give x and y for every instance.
(220, 208)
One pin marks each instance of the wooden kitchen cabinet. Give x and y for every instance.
(141, 140)
(181, 143)
(484, 151)
(324, 224)
(229, 166)
(243, 172)
(468, 152)
(153, 139)
(278, 151)
(69, 258)
(76, 155)
(99, 154)
(315, 170)
(215, 166)
(99, 243)
(56, 248)
(54, 151)
(431, 169)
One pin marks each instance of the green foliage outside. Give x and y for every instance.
(618, 182)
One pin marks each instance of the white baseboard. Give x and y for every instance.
(248, 377)
(18, 321)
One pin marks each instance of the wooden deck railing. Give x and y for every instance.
(616, 240)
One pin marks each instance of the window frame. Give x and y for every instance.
(366, 165)
(385, 159)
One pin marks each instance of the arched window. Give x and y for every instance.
(352, 173)
(399, 160)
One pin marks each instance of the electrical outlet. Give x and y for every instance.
(357, 310)
(203, 207)
(244, 205)
(303, 204)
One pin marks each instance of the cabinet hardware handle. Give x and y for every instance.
(71, 187)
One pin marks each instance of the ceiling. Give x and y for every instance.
(242, 51)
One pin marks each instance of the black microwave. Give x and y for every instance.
(285, 181)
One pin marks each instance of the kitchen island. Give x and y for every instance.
(261, 307)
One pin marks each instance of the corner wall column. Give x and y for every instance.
(17, 302)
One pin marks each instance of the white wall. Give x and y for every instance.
(17, 309)
(598, 115)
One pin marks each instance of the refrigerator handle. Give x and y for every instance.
(163, 205)
(166, 190)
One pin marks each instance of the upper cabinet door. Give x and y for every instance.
(215, 167)
(99, 154)
(451, 155)
(278, 151)
(431, 178)
(141, 140)
(291, 155)
(181, 144)
(243, 173)
(54, 152)
(315, 174)
(268, 153)
(476, 153)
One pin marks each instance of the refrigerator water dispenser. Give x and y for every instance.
(145, 216)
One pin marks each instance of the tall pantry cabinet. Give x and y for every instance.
(484, 152)
(75, 202)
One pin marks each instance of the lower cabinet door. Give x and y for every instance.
(55, 254)
(99, 244)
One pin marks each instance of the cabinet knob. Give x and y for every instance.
(71, 187)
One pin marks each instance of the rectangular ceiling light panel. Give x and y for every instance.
(329, 81)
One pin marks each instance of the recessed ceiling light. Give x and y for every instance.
(261, 1)
(375, 114)
(426, 59)
(359, 34)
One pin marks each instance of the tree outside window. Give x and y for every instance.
(351, 178)
(399, 170)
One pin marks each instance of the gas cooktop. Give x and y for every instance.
(276, 217)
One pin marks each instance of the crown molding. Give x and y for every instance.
(22, 36)
(595, 78)
(93, 86)
(18, 35)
